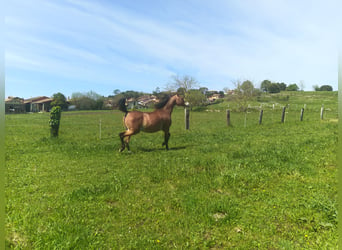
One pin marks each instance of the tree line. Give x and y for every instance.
(186, 86)
(276, 87)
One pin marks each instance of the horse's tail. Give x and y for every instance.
(122, 105)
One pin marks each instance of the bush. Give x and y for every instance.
(55, 117)
(274, 88)
(292, 87)
(325, 88)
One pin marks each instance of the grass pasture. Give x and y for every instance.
(248, 186)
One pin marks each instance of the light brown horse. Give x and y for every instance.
(159, 119)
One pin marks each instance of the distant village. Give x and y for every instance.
(21, 105)
(43, 103)
(139, 100)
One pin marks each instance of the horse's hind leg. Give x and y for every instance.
(127, 134)
(122, 136)
(166, 140)
(127, 142)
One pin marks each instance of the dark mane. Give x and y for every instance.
(122, 105)
(162, 102)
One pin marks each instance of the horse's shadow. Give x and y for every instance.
(161, 149)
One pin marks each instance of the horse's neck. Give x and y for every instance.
(169, 105)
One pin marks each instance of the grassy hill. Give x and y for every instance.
(314, 99)
(248, 186)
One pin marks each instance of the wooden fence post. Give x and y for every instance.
(228, 117)
(187, 116)
(283, 115)
(260, 118)
(245, 123)
(100, 129)
(301, 114)
(322, 111)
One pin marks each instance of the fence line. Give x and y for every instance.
(284, 114)
(287, 115)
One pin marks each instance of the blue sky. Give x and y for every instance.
(72, 46)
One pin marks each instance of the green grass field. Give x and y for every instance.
(248, 186)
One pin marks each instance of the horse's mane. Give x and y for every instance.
(162, 102)
(122, 105)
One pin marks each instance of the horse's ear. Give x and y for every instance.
(177, 95)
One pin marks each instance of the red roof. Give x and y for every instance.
(39, 99)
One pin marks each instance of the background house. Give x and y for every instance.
(14, 105)
(38, 104)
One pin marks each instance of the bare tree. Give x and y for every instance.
(226, 90)
(243, 93)
(301, 85)
(186, 85)
(185, 82)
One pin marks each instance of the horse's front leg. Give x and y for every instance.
(166, 139)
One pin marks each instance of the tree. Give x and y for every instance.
(87, 101)
(183, 85)
(84, 103)
(322, 88)
(326, 88)
(315, 87)
(196, 97)
(115, 100)
(131, 94)
(186, 82)
(93, 95)
(302, 85)
(226, 90)
(265, 84)
(59, 100)
(156, 91)
(243, 93)
(247, 88)
(274, 88)
(204, 90)
(181, 91)
(116, 91)
(292, 87)
(282, 86)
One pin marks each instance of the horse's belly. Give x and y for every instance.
(150, 129)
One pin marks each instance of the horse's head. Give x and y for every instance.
(180, 101)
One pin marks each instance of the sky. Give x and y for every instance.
(71, 46)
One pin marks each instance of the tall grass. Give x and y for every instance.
(248, 186)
